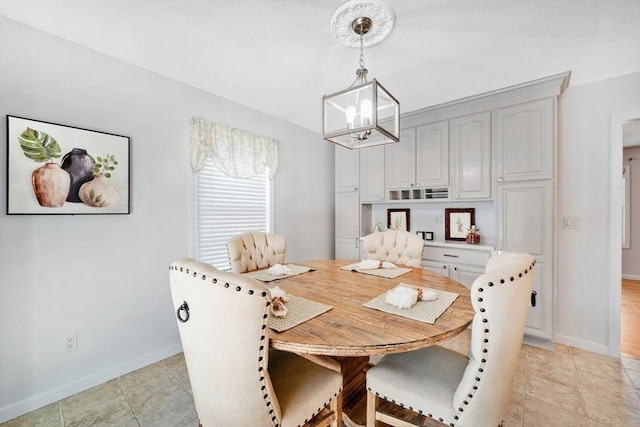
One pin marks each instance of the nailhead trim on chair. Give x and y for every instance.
(483, 361)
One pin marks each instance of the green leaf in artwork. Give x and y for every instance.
(39, 146)
(104, 165)
(92, 194)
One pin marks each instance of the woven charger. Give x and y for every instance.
(422, 311)
(299, 310)
(389, 273)
(264, 276)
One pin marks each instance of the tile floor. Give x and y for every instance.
(565, 387)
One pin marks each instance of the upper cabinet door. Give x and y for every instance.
(471, 157)
(400, 161)
(347, 169)
(525, 141)
(432, 155)
(372, 174)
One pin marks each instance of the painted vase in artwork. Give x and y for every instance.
(79, 164)
(98, 192)
(50, 185)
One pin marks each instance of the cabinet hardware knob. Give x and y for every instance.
(500, 179)
(533, 298)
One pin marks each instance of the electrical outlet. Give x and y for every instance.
(437, 219)
(71, 342)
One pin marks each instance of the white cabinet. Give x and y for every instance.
(372, 174)
(417, 168)
(347, 203)
(432, 155)
(400, 161)
(471, 157)
(347, 169)
(525, 141)
(463, 265)
(524, 216)
(347, 220)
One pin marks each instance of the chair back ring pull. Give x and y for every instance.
(184, 307)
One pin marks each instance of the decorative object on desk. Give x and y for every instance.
(398, 219)
(426, 235)
(377, 228)
(365, 114)
(56, 185)
(457, 222)
(473, 237)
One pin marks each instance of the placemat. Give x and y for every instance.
(264, 276)
(422, 311)
(299, 310)
(389, 273)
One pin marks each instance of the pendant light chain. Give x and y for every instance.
(361, 52)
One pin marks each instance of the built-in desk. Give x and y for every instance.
(461, 262)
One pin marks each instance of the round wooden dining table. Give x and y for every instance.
(349, 333)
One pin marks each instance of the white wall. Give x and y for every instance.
(631, 255)
(582, 286)
(106, 276)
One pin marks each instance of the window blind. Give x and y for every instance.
(227, 206)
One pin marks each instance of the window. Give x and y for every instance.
(226, 206)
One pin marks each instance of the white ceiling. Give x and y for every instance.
(280, 57)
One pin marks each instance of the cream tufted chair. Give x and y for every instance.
(237, 381)
(398, 247)
(254, 250)
(450, 387)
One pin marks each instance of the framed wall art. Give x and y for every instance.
(59, 169)
(457, 223)
(398, 219)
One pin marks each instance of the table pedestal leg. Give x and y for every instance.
(354, 393)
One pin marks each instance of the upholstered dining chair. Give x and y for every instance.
(396, 246)
(254, 250)
(452, 388)
(236, 379)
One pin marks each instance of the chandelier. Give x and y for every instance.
(365, 114)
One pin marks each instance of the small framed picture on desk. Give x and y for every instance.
(457, 223)
(398, 219)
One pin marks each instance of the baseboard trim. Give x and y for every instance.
(631, 276)
(538, 342)
(584, 345)
(32, 403)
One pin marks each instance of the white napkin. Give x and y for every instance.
(405, 296)
(402, 297)
(367, 264)
(279, 270)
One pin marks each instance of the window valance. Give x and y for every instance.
(235, 152)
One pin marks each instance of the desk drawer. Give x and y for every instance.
(455, 255)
